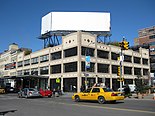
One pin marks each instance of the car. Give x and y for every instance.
(29, 92)
(46, 92)
(100, 94)
(131, 86)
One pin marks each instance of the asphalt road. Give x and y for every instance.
(64, 106)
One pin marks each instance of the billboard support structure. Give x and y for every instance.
(50, 39)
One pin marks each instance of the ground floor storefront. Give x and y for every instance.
(74, 84)
(25, 81)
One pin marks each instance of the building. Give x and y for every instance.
(147, 36)
(65, 64)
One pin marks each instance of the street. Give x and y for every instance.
(64, 106)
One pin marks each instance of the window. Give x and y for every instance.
(127, 58)
(91, 69)
(88, 90)
(114, 69)
(102, 54)
(152, 37)
(114, 56)
(137, 71)
(152, 43)
(145, 61)
(96, 90)
(107, 90)
(56, 55)
(128, 70)
(26, 62)
(70, 67)
(19, 72)
(34, 71)
(145, 71)
(87, 51)
(56, 69)
(44, 70)
(44, 58)
(102, 68)
(70, 52)
(137, 60)
(34, 60)
(26, 72)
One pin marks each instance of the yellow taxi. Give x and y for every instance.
(100, 94)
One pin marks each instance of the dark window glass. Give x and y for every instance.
(145, 61)
(145, 71)
(127, 58)
(102, 54)
(70, 52)
(26, 62)
(26, 72)
(44, 70)
(127, 70)
(102, 68)
(91, 69)
(114, 56)
(107, 90)
(137, 60)
(152, 37)
(114, 69)
(88, 90)
(87, 51)
(137, 71)
(34, 71)
(44, 58)
(34, 60)
(20, 64)
(56, 55)
(70, 67)
(95, 90)
(56, 69)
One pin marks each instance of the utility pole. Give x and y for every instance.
(124, 46)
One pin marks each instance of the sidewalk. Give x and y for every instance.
(145, 97)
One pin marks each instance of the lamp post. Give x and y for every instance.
(87, 64)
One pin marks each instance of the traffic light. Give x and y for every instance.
(125, 45)
(118, 71)
(120, 79)
(121, 44)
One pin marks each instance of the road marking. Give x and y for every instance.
(119, 109)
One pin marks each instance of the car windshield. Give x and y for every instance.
(107, 90)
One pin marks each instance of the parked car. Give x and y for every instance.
(29, 92)
(131, 86)
(46, 92)
(99, 94)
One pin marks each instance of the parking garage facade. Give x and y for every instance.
(67, 63)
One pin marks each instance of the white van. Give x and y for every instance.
(131, 86)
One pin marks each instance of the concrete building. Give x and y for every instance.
(65, 64)
(147, 36)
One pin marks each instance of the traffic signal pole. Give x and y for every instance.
(121, 60)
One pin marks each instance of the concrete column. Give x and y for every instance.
(79, 72)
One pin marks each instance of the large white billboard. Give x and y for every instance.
(73, 21)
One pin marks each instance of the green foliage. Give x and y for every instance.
(115, 43)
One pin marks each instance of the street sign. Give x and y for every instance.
(87, 61)
(57, 80)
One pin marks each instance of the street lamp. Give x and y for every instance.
(87, 63)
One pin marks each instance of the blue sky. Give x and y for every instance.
(20, 20)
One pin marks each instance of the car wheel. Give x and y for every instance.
(77, 98)
(101, 100)
(49, 96)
